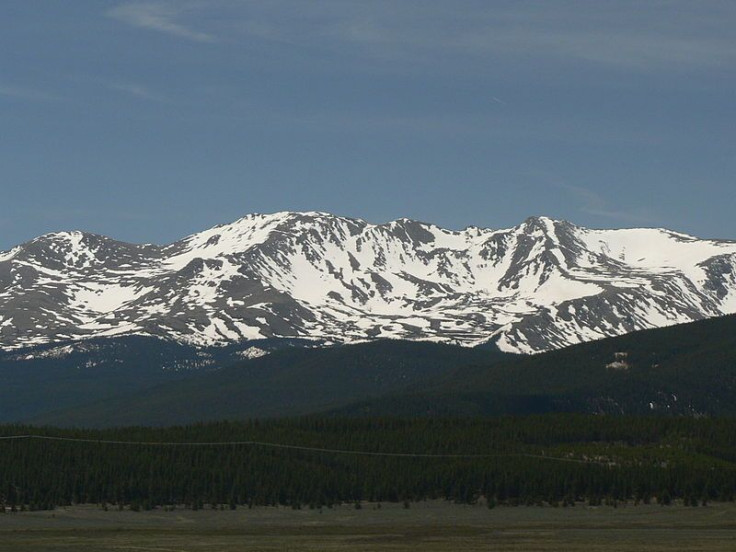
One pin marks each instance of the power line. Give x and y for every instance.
(265, 444)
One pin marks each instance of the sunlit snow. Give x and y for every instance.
(340, 279)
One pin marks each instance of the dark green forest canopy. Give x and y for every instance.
(687, 369)
(527, 460)
(291, 381)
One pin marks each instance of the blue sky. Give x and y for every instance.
(150, 120)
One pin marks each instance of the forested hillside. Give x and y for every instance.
(53, 377)
(687, 369)
(313, 462)
(288, 382)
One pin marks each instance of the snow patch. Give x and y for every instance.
(252, 352)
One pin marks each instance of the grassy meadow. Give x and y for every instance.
(428, 526)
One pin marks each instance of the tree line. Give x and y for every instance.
(314, 462)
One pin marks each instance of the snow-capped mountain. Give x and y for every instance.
(541, 285)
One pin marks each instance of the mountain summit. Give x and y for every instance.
(541, 285)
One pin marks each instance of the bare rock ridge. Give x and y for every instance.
(541, 285)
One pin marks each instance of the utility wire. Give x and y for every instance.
(295, 447)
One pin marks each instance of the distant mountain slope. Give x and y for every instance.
(52, 377)
(541, 285)
(688, 369)
(286, 382)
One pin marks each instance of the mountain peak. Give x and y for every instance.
(541, 223)
(541, 285)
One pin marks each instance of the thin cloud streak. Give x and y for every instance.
(673, 35)
(659, 37)
(137, 90)
(159, 17)
(592, 203)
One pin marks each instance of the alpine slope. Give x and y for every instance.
(541, 285)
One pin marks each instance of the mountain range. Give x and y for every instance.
(539, 286)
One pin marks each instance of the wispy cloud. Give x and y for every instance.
(629, 34)
(23, 93)
(164, 17)
(139, 91)
(632, 34)
(592, 203)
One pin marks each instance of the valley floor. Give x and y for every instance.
(428, 526)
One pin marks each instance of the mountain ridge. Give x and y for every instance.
(541, 285)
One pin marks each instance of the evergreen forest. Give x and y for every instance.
(315, 462)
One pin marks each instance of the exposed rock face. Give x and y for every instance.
(541, 285)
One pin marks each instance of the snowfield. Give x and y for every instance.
(541, 285)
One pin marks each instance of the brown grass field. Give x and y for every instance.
(428, 526)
